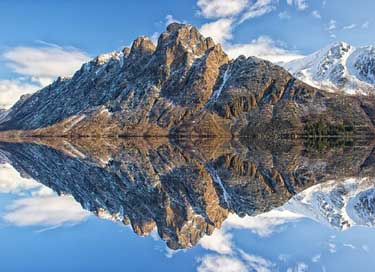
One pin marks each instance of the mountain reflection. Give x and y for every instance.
(184, 188)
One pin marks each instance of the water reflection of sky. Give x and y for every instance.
(41, 231)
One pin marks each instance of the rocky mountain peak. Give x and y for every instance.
(126, 51)
(105, 58)
(142, 46)
(339, 47)
(181, 39)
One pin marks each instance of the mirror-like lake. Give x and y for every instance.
(211, 204)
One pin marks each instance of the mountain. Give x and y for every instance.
(183, 188)
(339, 67)
(339, 204)
(3, 113)
(185, 86)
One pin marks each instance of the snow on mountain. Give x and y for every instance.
(340, 205)
(3, 114)
(339, 67)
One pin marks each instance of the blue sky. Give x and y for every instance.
(40, 40)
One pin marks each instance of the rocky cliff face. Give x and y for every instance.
(184, 189)
(184, 86)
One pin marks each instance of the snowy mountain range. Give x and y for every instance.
(340, 205)
(338, 67)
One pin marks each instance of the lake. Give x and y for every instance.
(209, 204)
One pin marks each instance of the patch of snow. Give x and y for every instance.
(216, 94)
(339, 67)
(74, 121)
(216, 178)
(74, 152)
(338, 204)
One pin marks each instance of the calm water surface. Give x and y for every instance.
(203, 205)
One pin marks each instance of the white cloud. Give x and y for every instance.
(349, 246)
(219, 242)
(365, 25)
(45, 210)
(332, 247)
(220, 30)
(348, 27)
(221, 8)
(316, 14)
(299, 4)
(221, 264)
(365, 248)
(259, 8)
(263, 47)
(37, 67)
(43, 64)
(316, 258)
(169, 19)
(12, 90)
(284, 15)
(332, 25)
(12, 182)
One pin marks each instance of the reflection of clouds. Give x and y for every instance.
(264, 224)
(316, 258)
(349, 246)
(219, 242)
(235, 263)
(365, 248)
(332, 247)
(47, 210)
(226, 250)
(232, 258)
(12, 182)
(257, 263)
(299, 267)
(219, 263)
(41, 207)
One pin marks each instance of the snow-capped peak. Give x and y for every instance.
(339, 204)
(338, 67)
(104, 58)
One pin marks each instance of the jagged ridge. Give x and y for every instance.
(184, 86)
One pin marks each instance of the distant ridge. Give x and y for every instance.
(339, 67)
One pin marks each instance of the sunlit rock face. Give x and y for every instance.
(185, 189)
(184, 86)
